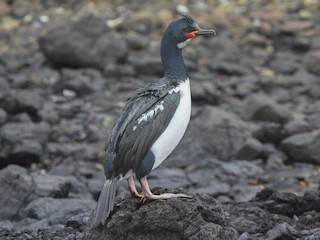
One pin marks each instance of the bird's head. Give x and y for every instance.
(181, 31)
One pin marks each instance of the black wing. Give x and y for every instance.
(133, 135)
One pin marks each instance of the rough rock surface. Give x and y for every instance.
(66, 70)
(200, 217)
(83, 43)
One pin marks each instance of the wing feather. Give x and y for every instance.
(131, 139)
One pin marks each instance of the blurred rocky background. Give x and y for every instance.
(253, 143)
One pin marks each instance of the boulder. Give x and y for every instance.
(303, 147)
(198, 217)
(261, 108)
(312, 62)
(22, 142)
(212, 132)
(86, 42)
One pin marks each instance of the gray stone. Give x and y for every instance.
(168, 178)
(218, 132)
(200, 217)
(250, 150)
(29, 101)
(25, 152)
(16, 189)
(51, 186)
(262, 108)
(269, 132)
(136, 41)
(312, 62)
(58, 211)
(87, 42)
(296, 126)
(303, 147)
(76, 151)
(284, 67)
(146, 65)
(229, 68)
(15, 132)
(3, 116)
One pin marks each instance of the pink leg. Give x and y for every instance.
(133, 188)
(148, 194)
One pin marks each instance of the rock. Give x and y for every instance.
(168, 178)
(16, 188)
(250, 150)
(200, 217)
(4, 87)
(136, 41)
(312, 62)
(303, 147)
(20, 188)
(269, 132)
(221, 136)
(57, 211)
(87, 42)
(228, 68)
(262, 108)
(284, 67)
(22, 142)
(18, 101)
(76, 151)
(3, 116)
(81, 82)
(78, 221)
(204, 93)
(52, 186)
(48, 113)
(281, 230)
(256, 40)
(295, 27)
(25, 152)
(14, 132)
(146, 65)
(296, 126)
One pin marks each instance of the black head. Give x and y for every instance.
(181, 31)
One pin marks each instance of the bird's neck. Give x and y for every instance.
(172, 61)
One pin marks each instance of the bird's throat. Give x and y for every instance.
(172, 60)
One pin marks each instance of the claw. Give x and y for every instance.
(137, 195)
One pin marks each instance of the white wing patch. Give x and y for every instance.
(150, 113)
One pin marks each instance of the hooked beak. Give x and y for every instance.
(200, 32)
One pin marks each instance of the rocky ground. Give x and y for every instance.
(250, 157)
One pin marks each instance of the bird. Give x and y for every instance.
(152, 122)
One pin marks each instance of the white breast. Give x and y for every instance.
(170, 138)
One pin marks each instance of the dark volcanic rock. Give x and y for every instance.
(29, 101)
(303, 147)
(249, 150)
(3, 116)
(274, 215)
(269, 132)
(218, 132)
(18, 188)
(15, 132)
(312, 62)
(229, 68)
(83, 43)
(262, 108)
(57, 211)
(199, 217)
(22, 142)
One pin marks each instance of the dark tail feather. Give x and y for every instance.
(105, 203)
